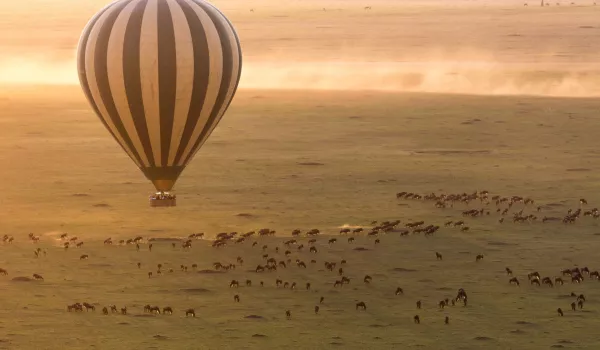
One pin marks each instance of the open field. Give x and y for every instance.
(65, 175)
(338, 111)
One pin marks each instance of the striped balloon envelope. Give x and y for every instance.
(159, 74)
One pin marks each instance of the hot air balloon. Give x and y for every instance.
(159, 74)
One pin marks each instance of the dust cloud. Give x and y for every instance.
(454, 76)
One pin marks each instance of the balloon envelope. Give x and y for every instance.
(160, 74)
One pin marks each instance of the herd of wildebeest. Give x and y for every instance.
(472, 205)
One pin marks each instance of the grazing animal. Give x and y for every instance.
(167, 310)
(438, 256)
(581, 297)
(316, 309)
(419, 304)
(509, 271)
(580, 304)
(399, 291)
(113, 309)
(89, 307)
(367, 279)
(234, 283)
(38, 277)
(83, 257)
(361, 305)
(190, 312)
(447, 320)
(3, 272)
(124, 310)
(288, 314)
(479, 257)
(573, 306)
(105, 310)
(236, 298)
(248, 283)
(321, 300)
(416, 319)
(560, 312)
(535, 281)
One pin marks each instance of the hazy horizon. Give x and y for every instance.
(466, 47)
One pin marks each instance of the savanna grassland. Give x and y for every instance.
(297, 151)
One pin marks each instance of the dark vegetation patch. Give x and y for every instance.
(455, 152)
(501, 243)
(483, 338)
(586, 27)
(80, 195)
(311, 163)
(210, 271)
(565, 341)
(525, 323)
(245, 215)
(579, 169)
(360, 249)
(257, 335)
(402, 269)
(101, 205)
(22, 279)
(254, 317)
(517, 331)
(471, 121)
(160, 337)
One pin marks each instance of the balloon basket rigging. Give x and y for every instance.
(163, 199)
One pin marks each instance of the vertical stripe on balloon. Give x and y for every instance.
(83, 76)
(167, 77)
(117, 81)
(213, 60)
(133, 79)
(149, 76)
(231, 71)
(184, 53)
(96, 68)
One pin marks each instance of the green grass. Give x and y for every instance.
(371, 145)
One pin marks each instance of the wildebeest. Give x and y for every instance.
(288, 314)
(190, 312)
(509, 271)
(3, 272)
(167, 310)
(447, 320)
(479, 257)
(105, 310)
(367, 279)
(416, 319)
(361, 305)
(316, 309)
(38, 277)
(236, 298)
(573, 306)
(438, 256)
(83, 257)
(560, 312)
(418, 304)
(399, 291)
